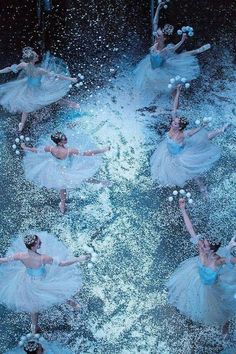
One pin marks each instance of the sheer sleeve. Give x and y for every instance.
(14, 68)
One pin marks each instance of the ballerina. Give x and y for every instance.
(35, 344)
(33, 281)
(63, 168)
(197, 286)
(184, 154)
(36, 86)
(153, 73)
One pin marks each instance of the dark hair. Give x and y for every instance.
(183, 122)
(30, 241)
(34, 345)
(214, 246)
(57, 137)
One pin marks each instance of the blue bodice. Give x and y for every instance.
(173, 147)
(156, 60)
(208, 276)
(36, 272)
(34, 81)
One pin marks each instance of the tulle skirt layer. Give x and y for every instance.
(152, 82)
(21, 292)
(196, 158)
(201, 303)
(47, 171)
(30, 94)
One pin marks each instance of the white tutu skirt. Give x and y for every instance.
(29, 94)
(152, 82)
(23, 293)
(197, 157)
(199, 302)
(48, 347)
(45, 170)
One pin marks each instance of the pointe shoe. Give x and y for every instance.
(203, 48)
(62, 207)
(20, 125)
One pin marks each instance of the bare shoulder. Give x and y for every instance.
(20, 256)
(46, 259)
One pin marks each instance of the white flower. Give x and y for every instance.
(182, 191)
(187, 85)
(175, 192)
(82, 77)
(197, 121)
(190, 34)
(172, 81)
(21, 343)
(183, 29)
(17, 152)
(183, 80)
(190, 201)
(188, 195)
(17, 140)
(14, 146)
(27, 139)
(170, 86)
(165, 6)
(179, 32)
(90, 265)
(70, 86)
(22, 137)
(170, 199)
(177, 78)
(205, 119)
(112, 70)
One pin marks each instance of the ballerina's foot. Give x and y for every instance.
(75, 305)
(62, 207)
(203, 48)
(227, 125)
(20, 127)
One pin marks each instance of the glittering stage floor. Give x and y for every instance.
(137, 234)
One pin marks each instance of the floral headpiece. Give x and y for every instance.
(27, 52)
(30, 342)
(168, 29)
(29, 239)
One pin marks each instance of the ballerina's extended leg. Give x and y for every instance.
(62, 204)
(69, 103)
(24, 117)
(34, 326)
